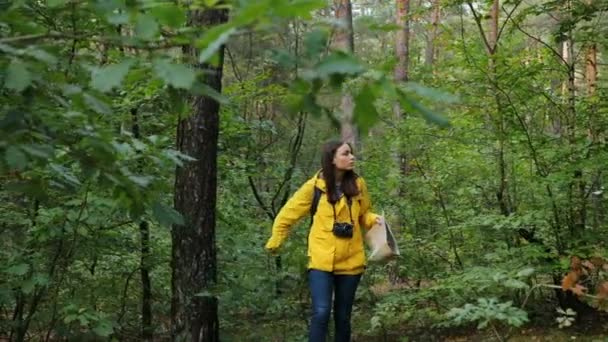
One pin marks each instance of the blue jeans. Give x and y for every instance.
(322, 286)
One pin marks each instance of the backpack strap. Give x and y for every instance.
(316, 197)
(315, 203)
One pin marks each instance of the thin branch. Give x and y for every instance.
(294, 151)
(235, 68)
(481, 30)
(116, 225)
(557, 54)
(504, 24)
(123, 308)
(268, 212)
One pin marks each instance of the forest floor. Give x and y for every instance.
(587, 332)
(596, 331)
(529, 334)
(543, 327)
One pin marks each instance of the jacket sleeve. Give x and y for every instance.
(296, 208)
(366, 217)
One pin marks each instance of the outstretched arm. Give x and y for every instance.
(296, 208)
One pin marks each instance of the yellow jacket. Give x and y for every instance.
(327, 252)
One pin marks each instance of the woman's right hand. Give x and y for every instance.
(272, 250)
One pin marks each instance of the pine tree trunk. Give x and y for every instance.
(591, 68)
(344, 41)
(194, 315)
(429, 53)
(402, 45)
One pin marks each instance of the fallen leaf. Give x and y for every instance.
(569, 280)
(598, 261)
(579, 290)
(588, 264)
(602, 291)
(575, 263)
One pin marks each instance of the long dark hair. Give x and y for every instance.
(349, 180)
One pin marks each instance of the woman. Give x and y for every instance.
(335, 242)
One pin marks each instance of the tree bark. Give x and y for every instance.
(344, 40)
(591, 68)
(429, 54)
(402, 45)
(146, 284)
(194, 314)
(144, 265)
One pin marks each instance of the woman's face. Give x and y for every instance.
(344, 159)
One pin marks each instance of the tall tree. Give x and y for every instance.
(429, 54)
(498, 121)
(402, 53)
(344, 41)
(194, 314)
(144, 264)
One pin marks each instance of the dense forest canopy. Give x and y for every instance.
(147, 146)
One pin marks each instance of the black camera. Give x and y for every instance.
(343, 230)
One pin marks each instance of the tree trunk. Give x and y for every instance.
(194, 314)
(429, 54)
(146, 285)
(494, 25)
(591, 68)
(402, 52)
(344, 41)
(402, 45)
(144, 265)
(502, 194)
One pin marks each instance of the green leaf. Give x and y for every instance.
(17, 76)
(365, 113)
(15, 158)
(103, 329)
(251, 12)
(430, 93)
(169, 14)
(108, 77)
(299, 8)
(142, 181)
(96, 104)
(41, 55)
(200, 88)
(121, 18)
(146, 27)
(213, 40)
(515, 284)
(166, 216)
(40, 151)
(177, 75)
(28, 286)
(55, 3)
(315, 42)
(339, 63)
(8, 49)
(65, 173)
(283, 57)
(18, 270)
(526, 272)
(427, 114)
(34, 187)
